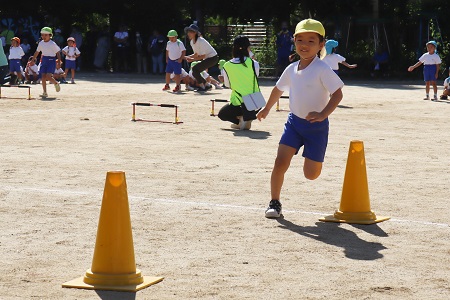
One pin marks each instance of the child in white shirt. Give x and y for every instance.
(31, 71)
(72, 53)
(15, 59)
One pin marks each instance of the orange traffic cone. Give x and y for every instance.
(113, 266)
(355, 202)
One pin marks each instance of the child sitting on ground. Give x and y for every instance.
(446, 91)
(59, 73)
(31, 71)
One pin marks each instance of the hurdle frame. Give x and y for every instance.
(212, 105)
(134, 119)
(278, 104)
(16, 86)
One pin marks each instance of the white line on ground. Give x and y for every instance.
(186, 202)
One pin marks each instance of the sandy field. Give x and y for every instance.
(198, 190)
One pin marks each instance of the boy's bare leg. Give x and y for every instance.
(311, 169)
(281, 165)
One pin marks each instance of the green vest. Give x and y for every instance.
(242, 80)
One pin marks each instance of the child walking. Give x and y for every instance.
(72, 53)
(333, 59)
(431, 63)
(175, 52)
(15, 60)
(50, 52)
(310, 82)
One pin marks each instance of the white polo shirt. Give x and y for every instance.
(202, 47)
(175, 49)
(49, 48)
(333, 60)
(430, 59)
(309, 89)
(16, 53)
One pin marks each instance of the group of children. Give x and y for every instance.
(50, 63)
(175, 54)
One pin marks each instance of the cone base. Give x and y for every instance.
(80, 284)
(365, 218)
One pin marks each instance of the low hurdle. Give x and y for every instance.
(212, 105)
(278, 103)
(133, 118)
(16, 86)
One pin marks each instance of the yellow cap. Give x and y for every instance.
(310, 25)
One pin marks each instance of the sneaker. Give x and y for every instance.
(208, 87)
(200, 89)
(248, 125)
(274, 209)
(189, 88)
(27, 82)
(177, 89)
(443, 97)
(434, 98)
(166, 87)
(72, 81)
(218, 87)
(242, 123)
(235, 126)
(57, 87)
(44, 95)
(426, 98)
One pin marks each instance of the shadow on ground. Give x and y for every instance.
(333, 234)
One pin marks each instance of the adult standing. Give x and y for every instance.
(6, 35)
(284, 48)
(203, 52)
(4, 69)
(102, 49)
(141, 54)
(121, 47)
(157, 47)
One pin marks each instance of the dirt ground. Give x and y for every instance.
(198, 190)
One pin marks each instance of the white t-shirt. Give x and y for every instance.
(16, 53)
(203, 47)
(204, 74)
(309, 89)
(59, 71)
(430, 59)
(447, 83)
(175, 49)
(49, 48)
(32, 68)
(333, 60)
(70, 52)
(182, 75)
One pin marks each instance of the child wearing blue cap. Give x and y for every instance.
(333, 59)
(431, 63)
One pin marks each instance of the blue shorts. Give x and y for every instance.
(71, 64)
(14, 66)
(429, 72)
(313, 136)
(48, 65)
(173, 66)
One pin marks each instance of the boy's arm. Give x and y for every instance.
(183, 53)
(348, 65)
(438, 66)
(335, 99)
(273, 98)
(415, 66)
